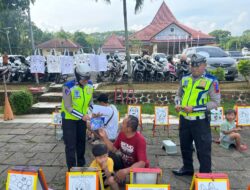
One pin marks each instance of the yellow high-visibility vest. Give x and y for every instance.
(195, 94)
(81, 98)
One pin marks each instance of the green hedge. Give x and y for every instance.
(219, 73)
(21, 102)
(244, 68)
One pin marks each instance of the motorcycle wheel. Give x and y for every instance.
(20, 78)
(159, 77)
(171, 78)
(125, 78)
(139, 77)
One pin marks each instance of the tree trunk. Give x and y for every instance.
(127, 42)
(32, 41)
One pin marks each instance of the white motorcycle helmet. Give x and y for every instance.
(82, 72)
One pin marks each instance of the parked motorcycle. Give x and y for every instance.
(138, 70)
(170, 72)
(182, 69)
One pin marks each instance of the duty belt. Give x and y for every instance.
(192, 118)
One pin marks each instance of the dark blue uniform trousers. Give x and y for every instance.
(198, 131)
(74, 136)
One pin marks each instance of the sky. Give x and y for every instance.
(90, 16)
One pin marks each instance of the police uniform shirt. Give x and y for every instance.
(213, 92)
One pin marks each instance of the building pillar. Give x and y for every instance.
(155, 48)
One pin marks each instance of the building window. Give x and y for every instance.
(172, 29)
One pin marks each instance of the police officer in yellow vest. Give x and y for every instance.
(197, 95)
(77, 97)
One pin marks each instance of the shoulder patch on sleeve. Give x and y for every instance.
(67, 91)
(216, 87)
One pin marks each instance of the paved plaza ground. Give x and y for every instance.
(30, 140)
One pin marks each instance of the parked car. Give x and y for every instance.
(216, 57)
(237, 55)
(161, 56)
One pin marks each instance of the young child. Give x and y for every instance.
(229, 132)
(105, 164)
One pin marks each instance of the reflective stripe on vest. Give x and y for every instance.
(195, 94)
(80, 100)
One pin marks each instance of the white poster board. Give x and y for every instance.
(243, 115)
(93, 62)
(161, 115)
(98, 62)
(81, 58)
(212, 184)
(37, 64)
(67, 64)
(53, 64)
(56, 118)
(135, 110)
(26, 178)
(21, 181)
(102, 63)
(217, 116)
(82, 180)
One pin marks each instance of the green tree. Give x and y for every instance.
(221, 37)
(80, 38)
(245, 39)
(233, 44)
(63, 34)
(94, 43)
(138, 6)
(14, 21)
(246, 33)
(220, 34)
(244, 69)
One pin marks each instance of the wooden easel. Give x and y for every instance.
(164, 125)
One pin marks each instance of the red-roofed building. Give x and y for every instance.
(59, 45)
(113, 44)
(165, 34)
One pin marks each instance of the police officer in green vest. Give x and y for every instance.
(198, 93)
(77, 97)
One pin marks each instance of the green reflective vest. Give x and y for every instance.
(81, 98)
(195, 94)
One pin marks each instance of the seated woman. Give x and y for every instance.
(110, 116)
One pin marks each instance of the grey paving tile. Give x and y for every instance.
(4, 131)
(51, 172)
(21, 139)
(41, 131)
(42, 147)
(5, 155)
(17, 147)
(60, 160)
(5, 138)
(59, 148)
(44, 138)
(19, 158)
(43, 159)
(225, 163)
(19, 131)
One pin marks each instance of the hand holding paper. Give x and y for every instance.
(102, 133)
(85, 118)
(96, 123)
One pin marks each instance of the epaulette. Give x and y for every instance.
(70, 84)
(209, 76)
